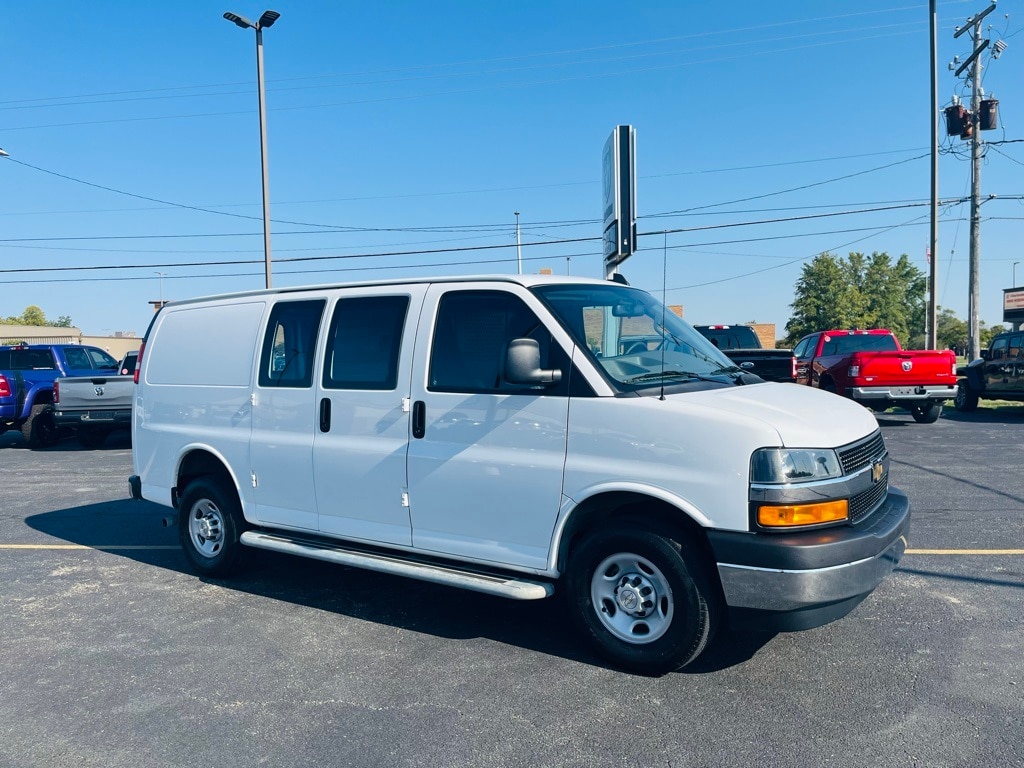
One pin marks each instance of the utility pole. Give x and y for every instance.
(931, 319)
(973, 130)
(519, 248)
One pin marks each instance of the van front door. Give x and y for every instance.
(362, 429)
(486, 458)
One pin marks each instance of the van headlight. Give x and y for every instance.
(793, 465)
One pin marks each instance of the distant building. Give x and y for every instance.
(116, 345)
(39, 334)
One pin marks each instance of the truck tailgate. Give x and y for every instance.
(98, 392)
(906, 368)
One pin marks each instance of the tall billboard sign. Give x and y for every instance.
(1013, 305)
(618, 168)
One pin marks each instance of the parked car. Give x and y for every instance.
(997, 375)
(127, 365)
(872, 368)
(741, 345)
(495, 434)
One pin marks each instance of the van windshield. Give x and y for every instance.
(634, 338)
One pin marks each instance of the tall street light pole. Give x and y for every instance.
(161, 286)
(265, 22)
(1015, 274)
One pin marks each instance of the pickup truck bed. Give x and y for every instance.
(741, 345)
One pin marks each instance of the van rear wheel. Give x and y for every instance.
(209, 524)
(642, 599)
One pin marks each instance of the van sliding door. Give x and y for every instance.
(283, 416)
(363, 414)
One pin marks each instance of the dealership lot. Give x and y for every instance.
(115, 654)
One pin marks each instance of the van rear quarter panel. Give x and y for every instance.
(195, 391)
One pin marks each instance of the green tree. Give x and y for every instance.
(859, 292)
(950, 330)
(985, 334)
(33, 315)
(825, 298)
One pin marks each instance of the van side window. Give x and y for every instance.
(364, 342)
(472, 333)
(290, 344)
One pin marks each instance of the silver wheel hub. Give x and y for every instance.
(632, 598)
(635, 594)
(206, 528)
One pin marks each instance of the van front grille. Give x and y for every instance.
(855, 456)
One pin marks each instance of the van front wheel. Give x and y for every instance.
(209, 517)
(642, 599)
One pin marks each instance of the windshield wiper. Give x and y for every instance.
(669, 374)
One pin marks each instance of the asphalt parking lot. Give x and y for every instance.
(114, 654)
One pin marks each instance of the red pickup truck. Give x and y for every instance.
(871, 368)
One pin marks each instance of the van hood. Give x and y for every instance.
(802, 416)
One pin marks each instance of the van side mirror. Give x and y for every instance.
(522, 364)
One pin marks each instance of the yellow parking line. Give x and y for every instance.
(965, 552)
(83, 546)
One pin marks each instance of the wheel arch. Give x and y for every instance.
(202, 461)
(612, 507)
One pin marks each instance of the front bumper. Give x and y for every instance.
(929, 392)
(784, 582)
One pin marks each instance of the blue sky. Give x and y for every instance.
(399, 127)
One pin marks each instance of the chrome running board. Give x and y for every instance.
(502, 586)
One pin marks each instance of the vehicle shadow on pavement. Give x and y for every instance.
(119, 439)
(139, 531)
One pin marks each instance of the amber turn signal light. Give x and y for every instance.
(790, 516)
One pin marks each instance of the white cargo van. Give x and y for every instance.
(516, 435)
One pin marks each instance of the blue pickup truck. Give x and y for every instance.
(27, 373)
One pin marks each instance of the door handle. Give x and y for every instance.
(419, 419)
(325, 414)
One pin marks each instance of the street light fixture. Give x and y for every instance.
(3, 154)
(265, 22)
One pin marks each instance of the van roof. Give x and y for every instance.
(527, 281)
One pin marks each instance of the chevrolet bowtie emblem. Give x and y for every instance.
(877, 471)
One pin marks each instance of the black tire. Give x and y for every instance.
(828, 386)
(965, 399)
(926, 413)
(642, 599)
(40, 430)
(209, 524)
(92, 437)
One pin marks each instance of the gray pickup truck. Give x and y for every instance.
(741, 345)
(94, 405)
